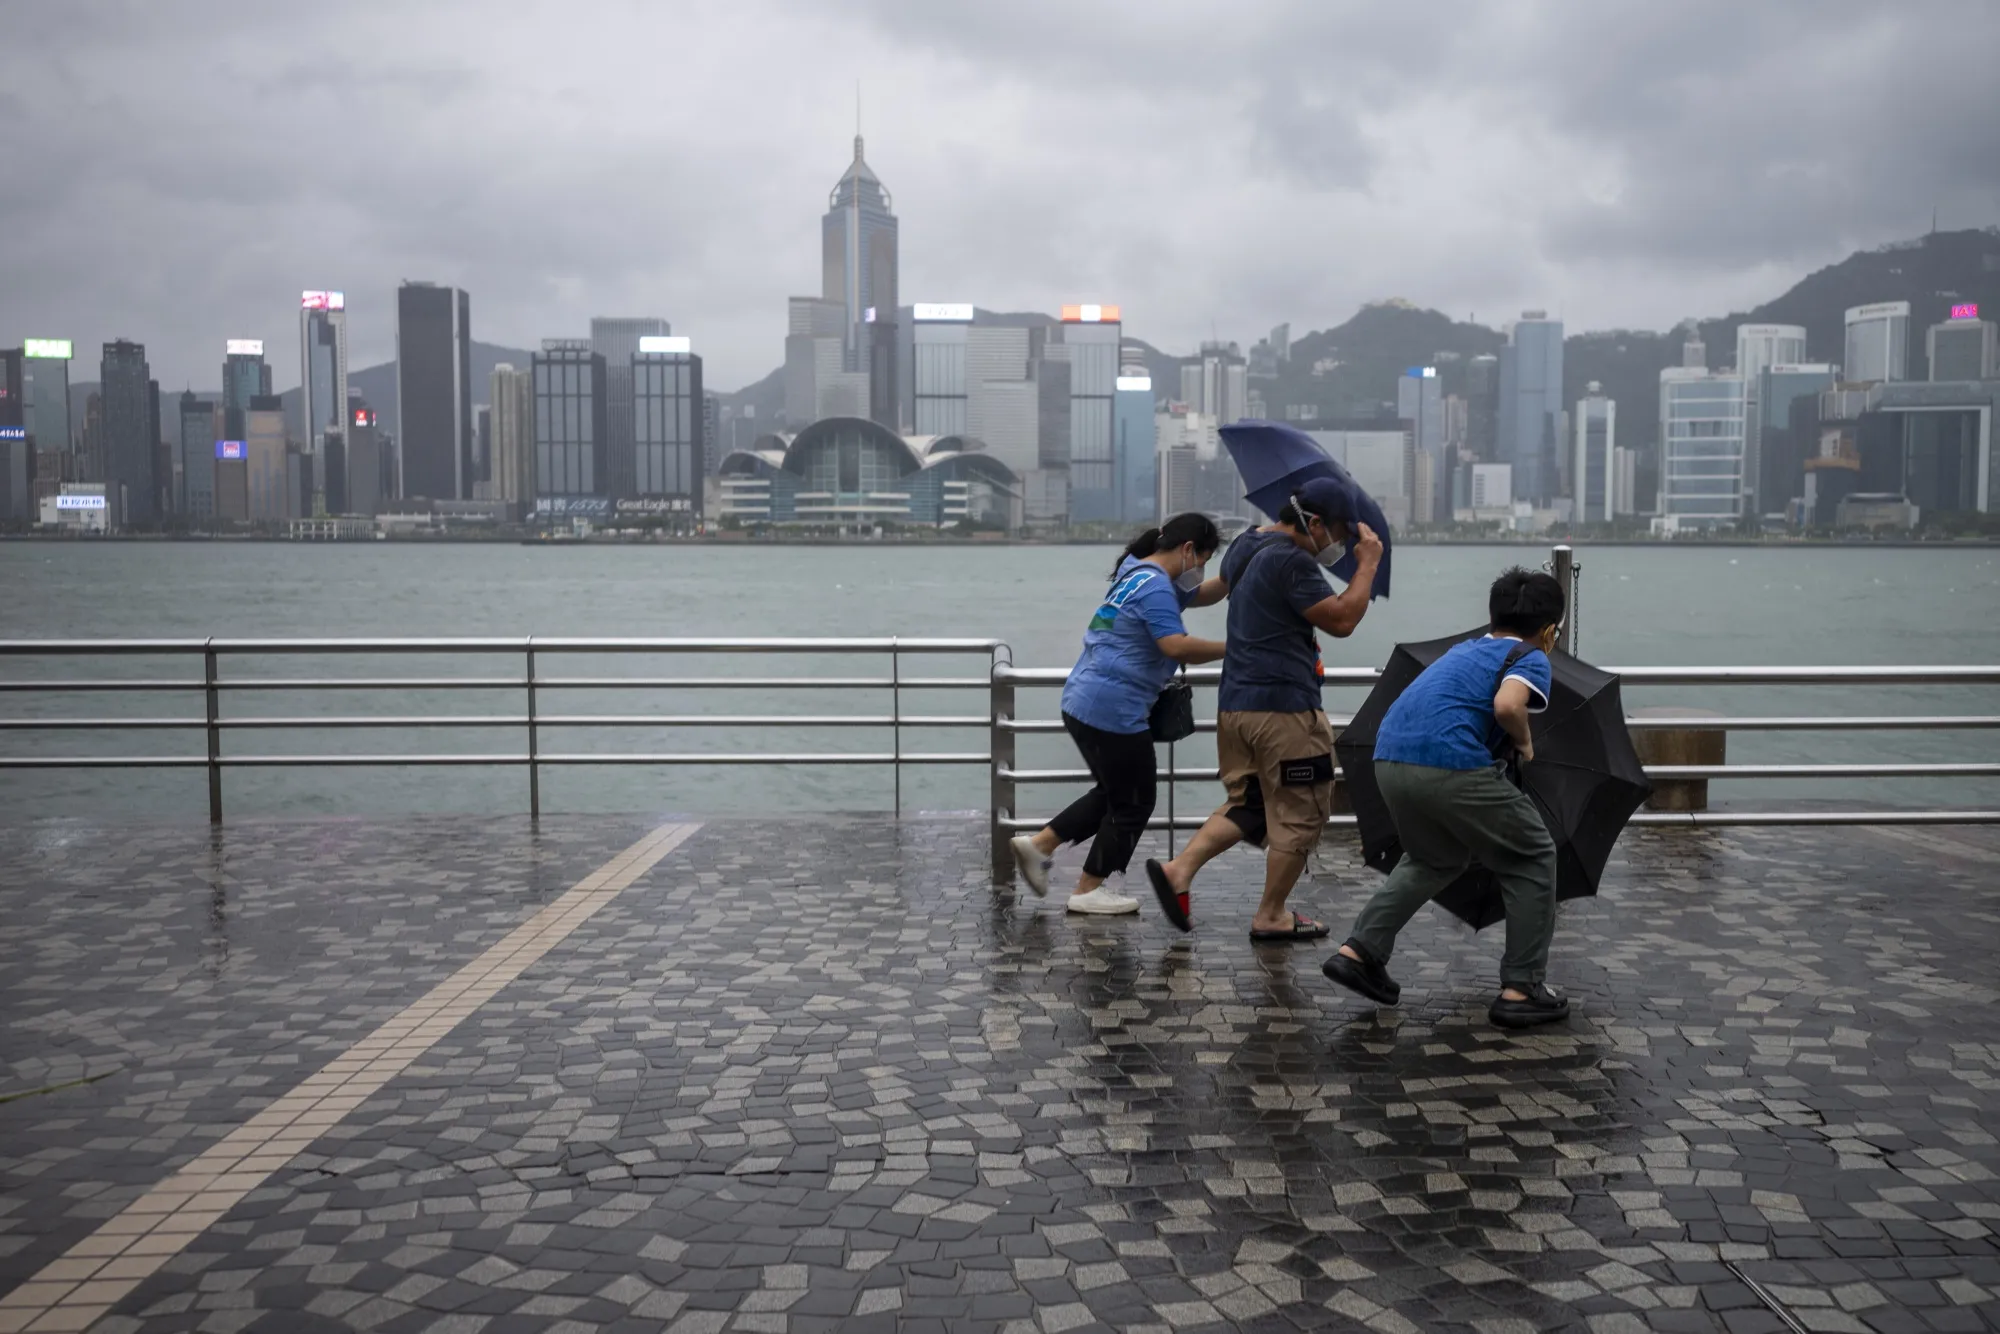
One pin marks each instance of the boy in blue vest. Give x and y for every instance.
(1448, 794)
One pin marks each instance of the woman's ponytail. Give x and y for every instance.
(1140, 547)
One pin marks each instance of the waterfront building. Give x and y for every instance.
(371, 470)
(17, 453)
(858, 259)
(323, 393)
(45, 411)
(1482, 407)
(1932, 443)
(938, 382)
(617, 341)
(512, 403)
(271, 476)
(129, 435)
(669, 441)
(1090, 338)
(1420, 407)
(1782, 443)
(1594, 468)
(245, 376)
(198, 432)
(1135, 451)
(1878, 343)
(1963, 348)
(434, 391)
(1702, 447)
(570, 425)
(1531, 404)
(853, 473)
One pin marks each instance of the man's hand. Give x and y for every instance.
(1367, 546)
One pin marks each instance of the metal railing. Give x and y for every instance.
(1001, 720)
(532, 682)
(1007, 780)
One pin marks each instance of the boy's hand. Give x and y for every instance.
(1367, 546)
(1526, 752)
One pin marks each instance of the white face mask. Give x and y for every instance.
(1329, 555)
(1189, 580)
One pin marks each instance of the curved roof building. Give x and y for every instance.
(851, 472)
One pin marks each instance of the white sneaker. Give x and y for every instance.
(1103, 903)
(1034, 866)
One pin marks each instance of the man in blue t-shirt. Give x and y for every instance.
(1273, 745)
(1437, 768)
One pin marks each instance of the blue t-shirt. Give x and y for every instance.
(1271, 664)
(1445, 718)
(1113, 685)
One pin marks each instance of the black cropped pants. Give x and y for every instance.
(1116, 810)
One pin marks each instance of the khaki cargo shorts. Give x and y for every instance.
(1278, 771)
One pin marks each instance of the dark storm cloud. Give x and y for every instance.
(178, 172)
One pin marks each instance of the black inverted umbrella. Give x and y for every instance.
(1586, 780)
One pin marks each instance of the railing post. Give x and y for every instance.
(1000, 743)
(212, 696)
(1562, 565)
(534, 747)
(896, 719)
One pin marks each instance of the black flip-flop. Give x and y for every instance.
(1302, 928)
(1173, 903)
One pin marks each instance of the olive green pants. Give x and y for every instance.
(1448, 819)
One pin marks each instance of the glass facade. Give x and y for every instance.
(1701, 446)
(1596, 428)
(1093, 382)
(1134, 449)
(197, 441)
(1531, 405)
(937, 378)
(570, 411)
(668, 443)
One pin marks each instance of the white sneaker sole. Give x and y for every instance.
(1131, 908)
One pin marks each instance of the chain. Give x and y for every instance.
(1576, 608)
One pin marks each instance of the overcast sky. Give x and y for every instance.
(177, 172)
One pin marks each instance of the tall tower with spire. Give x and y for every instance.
(859, 259)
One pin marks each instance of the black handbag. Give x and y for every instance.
(1172, 715)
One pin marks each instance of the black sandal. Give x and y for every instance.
(1302, 928)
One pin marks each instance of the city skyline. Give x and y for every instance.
(1589, 217)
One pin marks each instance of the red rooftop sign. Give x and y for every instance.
(1968, 311)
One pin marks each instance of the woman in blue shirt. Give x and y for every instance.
(1130, 650)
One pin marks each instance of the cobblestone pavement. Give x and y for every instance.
(823, 1075)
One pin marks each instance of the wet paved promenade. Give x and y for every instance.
(457, 1075)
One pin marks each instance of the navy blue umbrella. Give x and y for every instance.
(1275, 460)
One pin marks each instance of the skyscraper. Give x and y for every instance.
(570, 420)
(1962, 348)
(858, 262)
(1594, 469)
(434, 390)
(196, 418)
(1758, 348)
(45, 409)
(1134, 443)
(1091, 339)
(512, 401)
(1482, 406)
(17, 455)
(937, 371)
(617, 341)
(244, 377)
(1531, 404)
(1878, 343)
(1702, 481)
(323, 383)
(130, 438)
(1420, 405)
(667, 423)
